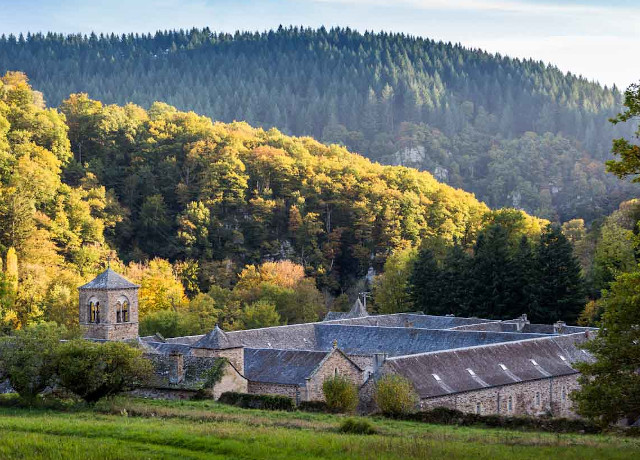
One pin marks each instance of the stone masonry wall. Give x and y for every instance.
(179, 375)
(108, 328)
(538, 397)
(260, 388)
(335, 363)
(234, 355)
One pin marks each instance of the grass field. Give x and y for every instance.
(147, 429)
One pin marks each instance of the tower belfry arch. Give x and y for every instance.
(109, 307)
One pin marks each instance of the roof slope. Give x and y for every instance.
(294, 336)
(290, 367)
(413, 320)
(109, 279)
(452, 366)
(396, 341)
(217, 340)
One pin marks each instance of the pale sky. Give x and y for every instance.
(598, 39)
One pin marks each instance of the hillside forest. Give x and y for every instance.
(250, 227)
(516, 133)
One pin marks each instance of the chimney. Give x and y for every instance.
(521, 322)
(559, 326)
(176, 367)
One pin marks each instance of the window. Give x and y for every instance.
(564, 393)
(335, 372)
(538, 398)
(478, 408)
(119, 312)
(125, 311)
(510, 404)
(94, 311)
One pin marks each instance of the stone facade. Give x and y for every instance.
(261, 388)
(109, 328)
(176, 376)
(549, 396)
(234, 355)
(336, 363)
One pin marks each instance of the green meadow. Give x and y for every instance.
(147, 429)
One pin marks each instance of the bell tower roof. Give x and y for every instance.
(109, 279)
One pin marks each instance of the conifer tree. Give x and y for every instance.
(558, 284)
(455, 276)
(425, 284)
(493, 274)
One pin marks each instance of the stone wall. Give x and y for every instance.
(234, 355)
(537, 397)
(292, 391)
(108, 328)
(178, 374)
(335, 364)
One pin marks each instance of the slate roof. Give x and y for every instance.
(289, 367)
(452, 366)
(396, 341)
(414, 320)
(167, 348)
(109, 279)
(216, 340)
(295, 336)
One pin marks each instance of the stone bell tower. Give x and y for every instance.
(109, 307)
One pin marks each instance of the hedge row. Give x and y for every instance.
(251, 401)
(445, 416)
(313, 406)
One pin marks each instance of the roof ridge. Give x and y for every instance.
(453, 350)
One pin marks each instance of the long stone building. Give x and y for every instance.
(471, 364)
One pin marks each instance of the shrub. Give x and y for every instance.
(249, 401)
(341, 395)
(313, 406)
(95, 370)
(356, 426)
(446, 416)
(27, 358)
(395, 395)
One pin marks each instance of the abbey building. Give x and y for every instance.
(509, 367)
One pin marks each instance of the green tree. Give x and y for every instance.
(395, 395)
(390, 289)
(629, 162)
(610, 386)
(494, 275)
(27, 358)
(424, 283)
(261, 313)
(96, 370)
(558, 284)
(340, 394)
